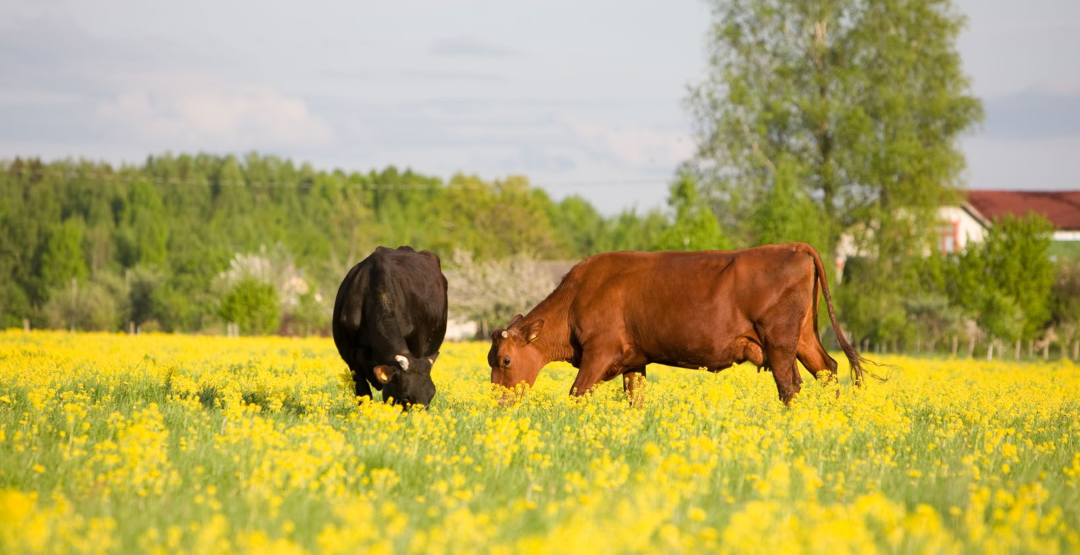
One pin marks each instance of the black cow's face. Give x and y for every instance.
(407, 381)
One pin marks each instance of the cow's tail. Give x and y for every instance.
(856, 360)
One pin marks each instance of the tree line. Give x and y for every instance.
(189, 243)
(186, 242)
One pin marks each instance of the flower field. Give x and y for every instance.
(173, 444)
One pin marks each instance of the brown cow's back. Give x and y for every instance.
(685, 308)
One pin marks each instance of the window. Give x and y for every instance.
(949, 237)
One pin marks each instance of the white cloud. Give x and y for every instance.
(640, 146)
(206, 114)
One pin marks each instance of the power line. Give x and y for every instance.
(72, 173)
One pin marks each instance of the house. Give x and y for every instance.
(970, 220)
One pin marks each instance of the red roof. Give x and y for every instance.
(1062, 208)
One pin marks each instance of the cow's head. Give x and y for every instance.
(407, 380)
(514, 357)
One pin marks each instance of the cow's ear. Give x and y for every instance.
(384, 372)
(532, 331)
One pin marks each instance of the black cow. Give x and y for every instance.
(389, 322)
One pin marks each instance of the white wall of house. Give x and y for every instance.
(958, 228)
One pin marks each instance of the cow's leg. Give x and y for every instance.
(633, 381)
(595, 367)
(785, 373)
(781, 344)
(816, 360)
(812, 354)
(363, 389)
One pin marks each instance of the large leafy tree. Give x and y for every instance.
(863, 98)
(861, 102)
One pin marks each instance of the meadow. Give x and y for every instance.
(181, 444)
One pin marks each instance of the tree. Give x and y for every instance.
(1015, 264)
(143, 235)
(62, 258)
(787, 213)
(1066, 299)
(491, 292)
(1005, 281)
(861, 102)
(629, 232)
(579, 226)
(695, 226)
(144, 301)
(87, 306)
(253, 306)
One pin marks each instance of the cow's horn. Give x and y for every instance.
(404, 362)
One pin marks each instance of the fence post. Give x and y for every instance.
(990, 350)
(26, 324)
(1017, 349)
(955, 344)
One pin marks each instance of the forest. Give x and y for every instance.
(172, 243)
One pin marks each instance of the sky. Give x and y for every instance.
(582, 97)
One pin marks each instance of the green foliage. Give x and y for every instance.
(144, 301)
(183, 218)
(787, 214)
(695, 226)
(86, 306)
(62, 256)
(932, 317)
(1007, 278)
(863, 100)
(252, 305)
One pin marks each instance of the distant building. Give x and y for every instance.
(970, 220)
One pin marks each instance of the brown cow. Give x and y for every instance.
(613, 313)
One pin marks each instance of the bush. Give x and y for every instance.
(253, 306)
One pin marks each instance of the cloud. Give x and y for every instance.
(215, 117)
(467, 47)
(643, 147)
